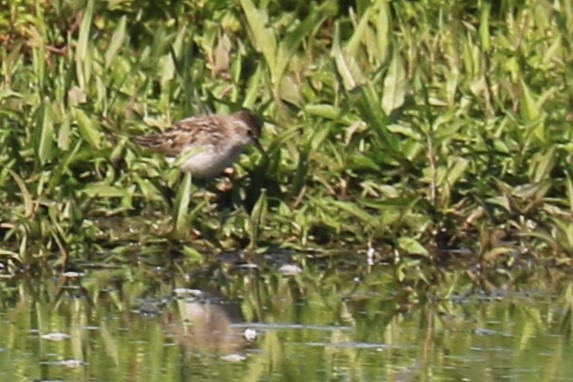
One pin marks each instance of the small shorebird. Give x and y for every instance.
(206, 145)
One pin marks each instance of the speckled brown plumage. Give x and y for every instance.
(216, 141)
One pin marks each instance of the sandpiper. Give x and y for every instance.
(206, 145)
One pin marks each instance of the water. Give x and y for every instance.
(335, 319)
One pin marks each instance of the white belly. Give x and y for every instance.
(208, 162)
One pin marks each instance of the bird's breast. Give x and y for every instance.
(210, 161)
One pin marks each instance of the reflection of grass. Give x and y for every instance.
(416, 124)
(128, 321)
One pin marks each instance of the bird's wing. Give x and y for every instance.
(189, 132)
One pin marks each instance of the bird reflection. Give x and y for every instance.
(207, 323)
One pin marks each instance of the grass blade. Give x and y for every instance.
(182, 200)
(257, 219)
(117, 40)
(345, 64)
(44, 132)
(394, 85)
(87, 128)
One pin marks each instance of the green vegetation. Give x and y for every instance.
(409, 125)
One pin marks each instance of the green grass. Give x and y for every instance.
(408, 126)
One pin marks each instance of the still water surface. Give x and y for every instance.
(317, 320)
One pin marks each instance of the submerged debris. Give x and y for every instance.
(55, 336)
(290, 270)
